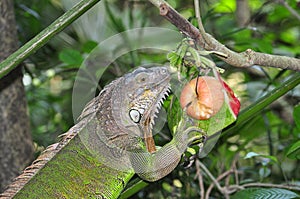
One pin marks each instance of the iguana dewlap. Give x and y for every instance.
(121, 118)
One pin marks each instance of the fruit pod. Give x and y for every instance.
(204, 96)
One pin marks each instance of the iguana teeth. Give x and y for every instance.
(161, 101)
(156, 111)
(152, 123)
(158, 106)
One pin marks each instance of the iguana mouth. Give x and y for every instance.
(157, 106)
(149, 119)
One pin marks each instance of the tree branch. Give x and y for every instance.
(243, 59)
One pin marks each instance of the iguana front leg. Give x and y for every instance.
(154, 166)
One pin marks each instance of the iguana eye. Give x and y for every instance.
(135, 115)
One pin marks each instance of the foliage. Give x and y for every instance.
(43, 80)
(265, 149)
(265, 193)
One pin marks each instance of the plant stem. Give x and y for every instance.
(44, 36)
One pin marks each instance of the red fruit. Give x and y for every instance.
(209, 98)
(206, 102)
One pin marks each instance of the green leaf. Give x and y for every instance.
(253, 154)
(254, 109)
(225, 6)
(89, 46)
(264, 172)
(174, 59)
(218, 122)
(296, 114)
(132, 188)
(294, 151)
(71, 57)
(166, 186)
(177, 183)
(263, 45)
(257, 193)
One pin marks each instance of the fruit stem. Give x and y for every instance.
(196, 89)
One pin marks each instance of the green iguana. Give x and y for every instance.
(114, 128)
(121, 120)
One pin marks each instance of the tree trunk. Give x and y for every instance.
(16, 147)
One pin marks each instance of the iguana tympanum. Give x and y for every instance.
(109, 141)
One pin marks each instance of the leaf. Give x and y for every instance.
(257, 193)
(71, 57)
(167, 187)
(177, 183)
(132, 188)
(264, 172)
(174, 59)
(89, 46)
(253, 154)
(296, 115)
(294, 151)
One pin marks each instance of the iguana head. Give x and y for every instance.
(143, 91)
(152, 87)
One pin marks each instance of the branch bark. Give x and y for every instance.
(244, 59)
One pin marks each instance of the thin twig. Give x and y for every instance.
(200, 24)
(220, 177)
(234, 169)
(290, 9)
(226, 175)
(236, 174)
(200, 179)
(203, 167)
(198, 17)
